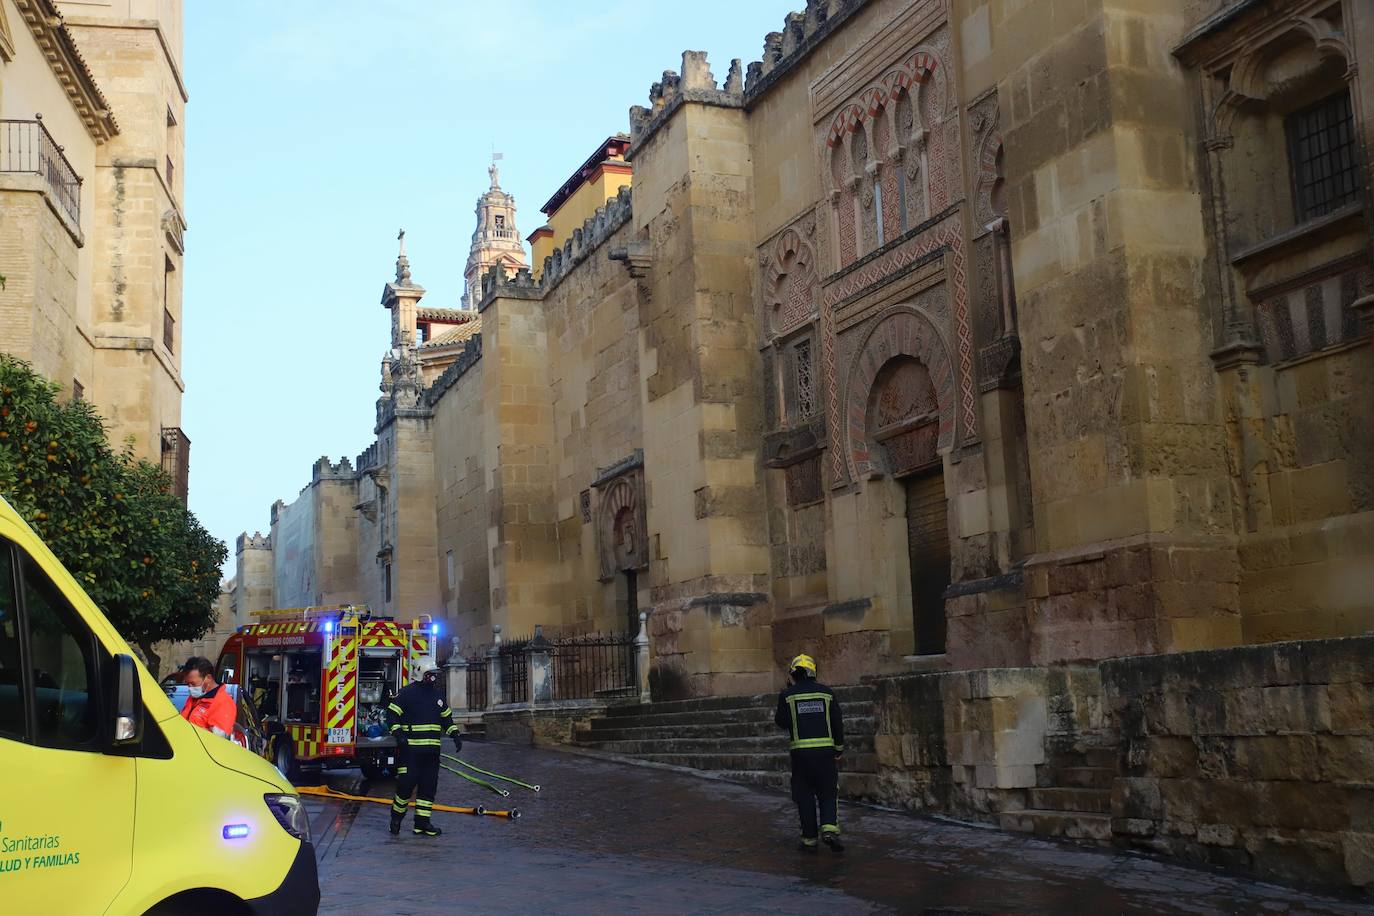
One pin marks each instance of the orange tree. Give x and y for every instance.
(110, 518)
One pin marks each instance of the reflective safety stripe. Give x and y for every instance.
(424, 742)
(809, 841)
(424, 805)
(401, 771)
(799, 742)
(396, 709)
(831, 828)
(425, 728)
(445, 711)
(452, 730)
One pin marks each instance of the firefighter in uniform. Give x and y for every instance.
(810, 714)
(419, 719)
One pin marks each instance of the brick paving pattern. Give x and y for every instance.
(605, 837)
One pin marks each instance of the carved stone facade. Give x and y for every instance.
(941, 337)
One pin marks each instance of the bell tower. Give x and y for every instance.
(495, 240)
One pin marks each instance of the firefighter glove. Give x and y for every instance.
(457, 744)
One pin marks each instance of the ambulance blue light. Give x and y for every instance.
(434, 629)
(328, 627)
(235, 831)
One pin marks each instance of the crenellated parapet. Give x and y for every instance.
(255, 541)
(368, 458)
(801, 32)
(324, 469)
(696, 83)
(467, 358)
(497, 282)
(584, 241)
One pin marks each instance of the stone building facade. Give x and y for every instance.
(949, 335)
(91, 164)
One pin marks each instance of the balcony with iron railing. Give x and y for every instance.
(27, 147)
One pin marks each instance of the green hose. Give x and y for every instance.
(512, 781)
(473, 779)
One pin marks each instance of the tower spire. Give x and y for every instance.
(495, 240)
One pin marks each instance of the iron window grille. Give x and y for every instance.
(804, 380)
(1322, 155)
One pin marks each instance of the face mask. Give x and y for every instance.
(197, 692)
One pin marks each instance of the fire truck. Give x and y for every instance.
(321, 679)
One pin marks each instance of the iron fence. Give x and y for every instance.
(591, 664)
(515, 670)
(477, 683)
(26, 146)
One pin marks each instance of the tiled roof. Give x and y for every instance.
(456, 335)
(449, 316)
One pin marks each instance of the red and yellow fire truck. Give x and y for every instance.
(321, 679)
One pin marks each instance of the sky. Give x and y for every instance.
(315, 130)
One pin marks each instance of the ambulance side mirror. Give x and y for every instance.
(127, 703)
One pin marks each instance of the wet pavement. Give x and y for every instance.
(604, 837)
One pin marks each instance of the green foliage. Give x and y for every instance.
(111, 519)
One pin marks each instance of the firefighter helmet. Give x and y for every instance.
(803, 662)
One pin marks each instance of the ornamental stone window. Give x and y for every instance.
(1284, 175)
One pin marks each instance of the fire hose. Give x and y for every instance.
(479, 811)
(511, 780)
(476, 780)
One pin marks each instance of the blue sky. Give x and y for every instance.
(315, 130)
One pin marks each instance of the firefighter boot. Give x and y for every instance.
(396, 823)
(831, 838)
(424, 828)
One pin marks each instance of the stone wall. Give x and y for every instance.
(1260, 757)
(975, 743)
(461, 494)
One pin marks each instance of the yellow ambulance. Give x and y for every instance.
(110, 802)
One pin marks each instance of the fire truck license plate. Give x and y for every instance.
(340, 735)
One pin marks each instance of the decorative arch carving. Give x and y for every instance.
(915, 70)
(901, 331)
(622, 525)
(790, 279)
(985, 121)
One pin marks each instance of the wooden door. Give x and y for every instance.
(927, 527)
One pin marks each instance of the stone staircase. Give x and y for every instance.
(732, 736)
(1074, 797)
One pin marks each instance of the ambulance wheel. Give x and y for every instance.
(285, 760)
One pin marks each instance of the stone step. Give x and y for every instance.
(659, 743)
(1089, 801)
(1081, 777)
(1069, 825)
(858, 763)
(615, 730)
(853, 785)
(1102, 757)
(854, 693)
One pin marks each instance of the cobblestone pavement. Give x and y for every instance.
(603, 837)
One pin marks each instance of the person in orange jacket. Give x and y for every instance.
(209, 705)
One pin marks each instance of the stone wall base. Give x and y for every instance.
(1255, 757)
(539, 726)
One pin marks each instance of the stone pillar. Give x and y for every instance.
(642, 657)
(494, 668)
(540, 669)
(456, 672)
